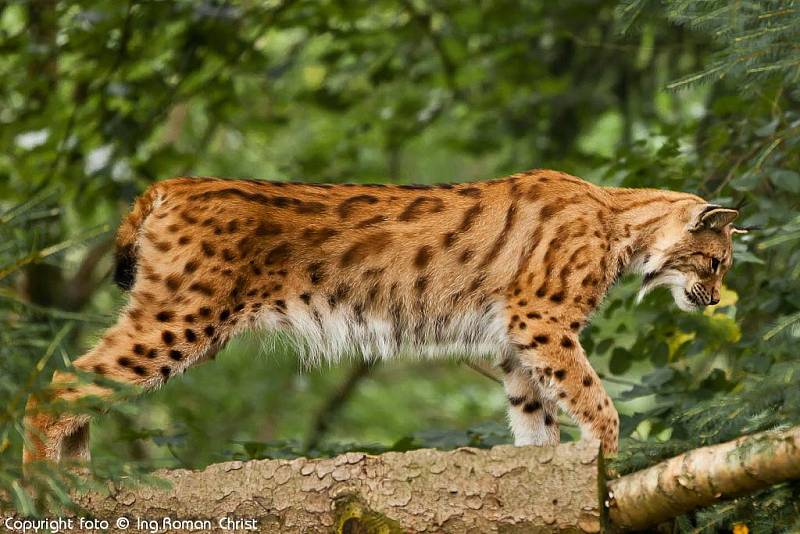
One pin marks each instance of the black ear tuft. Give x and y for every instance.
(744, 229)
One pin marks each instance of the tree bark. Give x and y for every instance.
(508, 489)
(703, 477)
(504, 489)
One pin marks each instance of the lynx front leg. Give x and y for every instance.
(560, 366)
(532, 416)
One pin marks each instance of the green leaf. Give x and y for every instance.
(786, 180)
(620, 361)
(746, 181)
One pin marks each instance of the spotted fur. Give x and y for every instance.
(509, 269)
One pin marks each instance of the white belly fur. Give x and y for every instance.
(337, 333)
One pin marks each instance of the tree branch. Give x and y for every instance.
(323, 419)
(703, 477)
(85, 281)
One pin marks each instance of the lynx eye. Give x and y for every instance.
(715, 265)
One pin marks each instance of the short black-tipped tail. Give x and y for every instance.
(125, 269)
(126, 254)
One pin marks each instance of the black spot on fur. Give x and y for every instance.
(473, 192)
(423, 257)
(202, 288)
(268, 228)
(420, 206)
(208, 250)
(507, 365)
(347, 205)
(175, 355)
(420, 284)
(173, 282)
(317, 236)
(532, 407)
(164, 316)
(560, 374)
(516, 401)
(209, 330)
(191, 337)
(278, 254)
(315, 272)
(168, 337)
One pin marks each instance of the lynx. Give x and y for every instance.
(509, 269)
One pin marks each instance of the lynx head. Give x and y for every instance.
(692, 255)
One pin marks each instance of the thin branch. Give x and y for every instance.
(84, 282)
(484, 371)
(39, 255)
(423, 21)
(335, 403)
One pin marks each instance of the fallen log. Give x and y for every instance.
(513, 489)
(506, 488)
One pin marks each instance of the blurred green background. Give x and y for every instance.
(99, 98)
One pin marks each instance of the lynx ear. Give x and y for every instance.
(714, 218)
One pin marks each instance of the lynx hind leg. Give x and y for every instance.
(55, 437)
(533, 417)
(147, 346)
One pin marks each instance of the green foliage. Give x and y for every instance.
(95, 105)
(756, 41)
